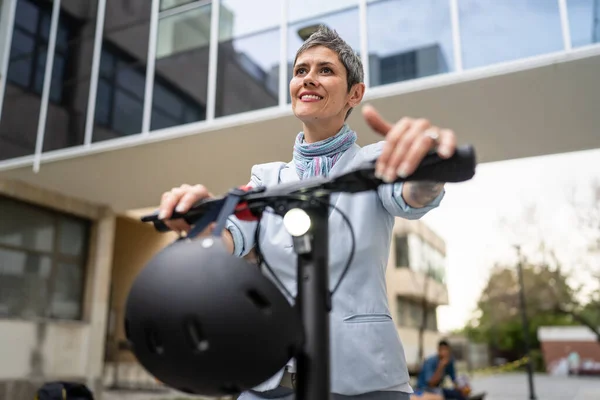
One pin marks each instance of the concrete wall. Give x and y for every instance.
(37, 351)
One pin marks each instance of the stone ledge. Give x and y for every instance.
(51, 199)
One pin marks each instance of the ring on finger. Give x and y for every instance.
(433, 134)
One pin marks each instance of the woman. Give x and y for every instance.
(327, 84)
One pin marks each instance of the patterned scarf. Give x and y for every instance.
(317, 159)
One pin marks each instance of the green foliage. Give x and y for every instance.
(499, 321)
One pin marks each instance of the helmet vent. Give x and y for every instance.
(195, 335)
(153, 341)
(259, 300)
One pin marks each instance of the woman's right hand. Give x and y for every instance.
(180, 199)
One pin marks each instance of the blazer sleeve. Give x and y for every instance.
(243, 232)
(391, 194)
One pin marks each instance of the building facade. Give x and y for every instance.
(570, 350)
(105, 104)
(416, 286)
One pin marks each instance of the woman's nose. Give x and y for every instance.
(310, 81)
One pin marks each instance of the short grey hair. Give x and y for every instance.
(327, 37)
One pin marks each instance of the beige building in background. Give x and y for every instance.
(416, 283)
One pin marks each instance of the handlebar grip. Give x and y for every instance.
(458, 168)
(197, 210)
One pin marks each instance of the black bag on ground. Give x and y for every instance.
(64, 391)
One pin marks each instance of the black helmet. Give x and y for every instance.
(206, 322)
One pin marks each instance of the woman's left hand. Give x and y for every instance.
(407, 142)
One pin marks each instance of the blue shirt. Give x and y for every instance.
(429, 367)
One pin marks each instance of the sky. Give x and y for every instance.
(470, 214)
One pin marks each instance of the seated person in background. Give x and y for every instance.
(434, 371)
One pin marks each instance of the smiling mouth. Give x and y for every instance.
(310, 97)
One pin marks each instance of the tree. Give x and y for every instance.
(559, 289)
(499, 323)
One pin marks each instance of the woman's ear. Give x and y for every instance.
(356, 94)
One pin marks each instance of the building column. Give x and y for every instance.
(98, 283)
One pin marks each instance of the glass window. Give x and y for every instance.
(127, 113)
(26, 67)
(120, 95)
(424, 258)
(27, 228)
(497, 31)
(432, 319)
(408, 40)
(69, 86)
(30, 44)
(410, 313)
(66, 297)
(42, 262)
(183, 32)
(23, 283)
(166, 4)
(27, 16)
(302, 10)
(341, 15)
(181, 75)
(401, 247)
(121, 82)
(584, 21)
(248, 71)
(72, 237)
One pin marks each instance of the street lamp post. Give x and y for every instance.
(525, 325)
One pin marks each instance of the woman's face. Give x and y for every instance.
(319, 87)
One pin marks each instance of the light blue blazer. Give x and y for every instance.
(366, 351)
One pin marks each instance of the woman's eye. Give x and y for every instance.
(326, 70)
(300, 71)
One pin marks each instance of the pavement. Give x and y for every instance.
(498, 387)
(546, 387)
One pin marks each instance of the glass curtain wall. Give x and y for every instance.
(498, 31)
(584, 22)
(122, 75)
(181, 66)
(408, 39)
(405, 40)
(248, 62)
